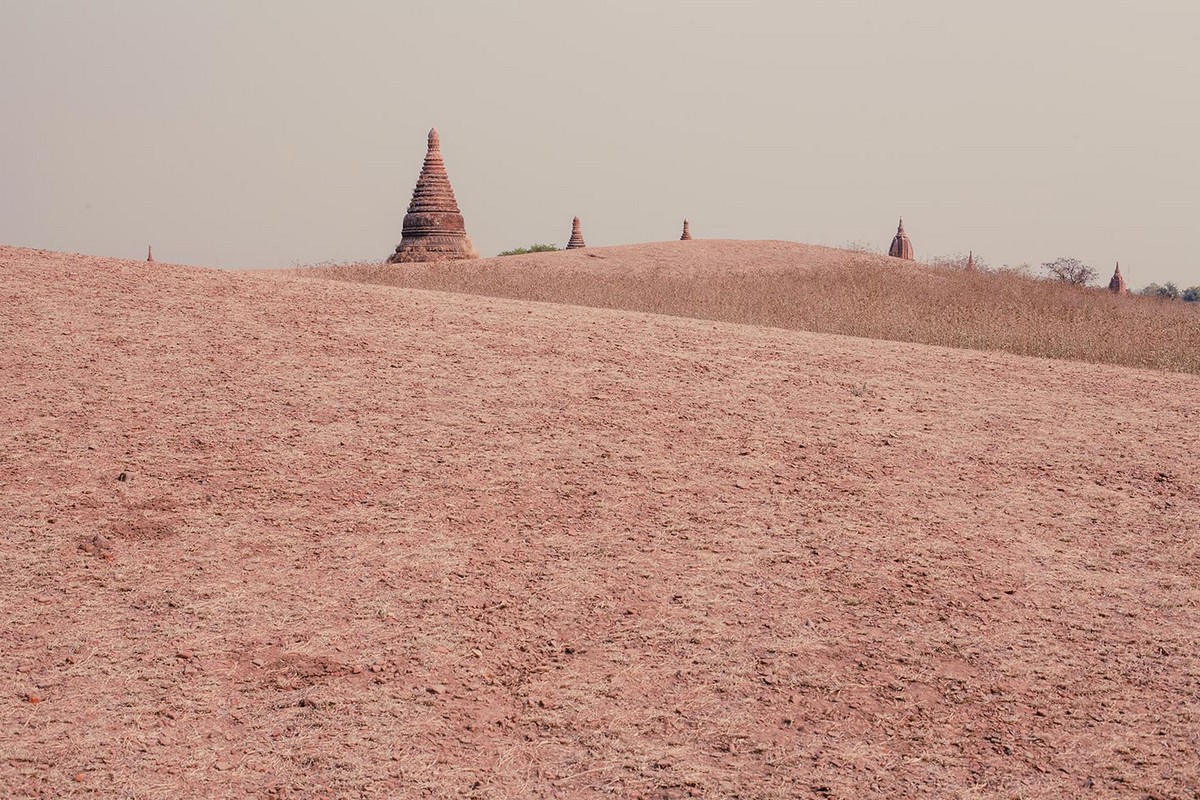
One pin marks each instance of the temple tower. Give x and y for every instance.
(433, 227)
(901, 246)
(1117, 284)
(150, 253)
(576, 241)
(687, 232)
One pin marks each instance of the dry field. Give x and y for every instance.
(824, 290)
(266, 536)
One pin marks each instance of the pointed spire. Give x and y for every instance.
(687, 232)
(150, 253)
(576, 236)
(1117, 284)
(433, 227)
(901, 245)
(433, 191)
(971, 259)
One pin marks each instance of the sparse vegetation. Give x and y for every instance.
(533, 248)
(1022, 270)
(961, 261)
(834, 291)
(862, 246)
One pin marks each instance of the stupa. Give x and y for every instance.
(901, 246)
(1117, 284)
(150, 253)
(687, 232)
(433, 227)
(971, 260)
(576, 241)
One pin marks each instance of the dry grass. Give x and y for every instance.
(820, 289)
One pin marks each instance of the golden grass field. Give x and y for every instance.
(825, 290)
(265, 535)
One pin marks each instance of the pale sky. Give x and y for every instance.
(244, 133)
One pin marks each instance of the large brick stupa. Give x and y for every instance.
(433, 227)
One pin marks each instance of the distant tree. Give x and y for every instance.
(533, 248)
(1167, 291)
(1070, 270)
(1190, 294)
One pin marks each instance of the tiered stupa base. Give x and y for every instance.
(436, 247)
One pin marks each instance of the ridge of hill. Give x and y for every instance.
(826, 290)
(273, 536)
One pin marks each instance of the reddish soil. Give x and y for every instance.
(270, 536)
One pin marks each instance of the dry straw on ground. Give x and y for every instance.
(366, 542)
(805, 287)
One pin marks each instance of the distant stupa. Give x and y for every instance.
(433, 227)
(1117, 284)
(150, 253)
(970, 260)
(901, 246)
(576, 241)
(687, 232)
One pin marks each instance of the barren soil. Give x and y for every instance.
(269, 536)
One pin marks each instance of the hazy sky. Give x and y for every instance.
(244, 133)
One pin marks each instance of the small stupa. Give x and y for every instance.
(971, 260)
(576, 241)
(901, 246)
(687, 232)
(1117, 284)
(150, 253)
(433, 227)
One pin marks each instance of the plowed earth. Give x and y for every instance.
(270, 536)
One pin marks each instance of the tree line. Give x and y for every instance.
(1076, 273)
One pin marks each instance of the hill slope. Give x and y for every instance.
(821, 289)
(264, 534)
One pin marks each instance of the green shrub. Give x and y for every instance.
(533, 248)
